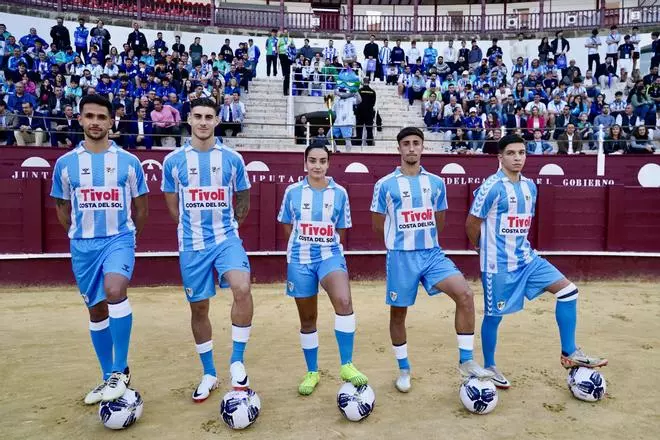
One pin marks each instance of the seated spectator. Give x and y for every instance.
(165, 121)
(475, 131)
(15, 101)
(628, 120)
(606, 74)
(616, 141)
(120, 130)
(490, 146)
(538, 145)
(605, 119)
(492, 123)
(640, 100)
(640, 143)
(536, 122)
(32, 129)
(7, 124)
(586, 131)
(43, 97)
(321, 138)
(73, 91)
(562, 121)
(569, 142)
(391, 75)
(141, 131)
(517, 124)
(579, 106)
(301, 131)
(459, 141)
(67, 131)
(591, 85)
(618, 106)
(432, 114)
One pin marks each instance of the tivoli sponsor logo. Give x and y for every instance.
(97, 198)
(321, 233)
(206, 197)
(517, 224)
(414, 219)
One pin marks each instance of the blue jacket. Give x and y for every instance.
(15, 103)
(80, 36)
(132, 128)
(28, 40)
(545, 146)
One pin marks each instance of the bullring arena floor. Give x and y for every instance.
(47, 366)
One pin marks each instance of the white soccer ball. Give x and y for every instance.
(586, 384)
(355, 403)
(123, 412)
(478, 396)
(239, 409)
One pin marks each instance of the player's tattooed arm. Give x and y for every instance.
(63, 209)
(242, 206)
(141, 213)
(473, 230)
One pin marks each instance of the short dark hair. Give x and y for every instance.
(508, 140)
(409, 131)
(318, 145)
(95, 99)
(119, 106)
(202, 102)
(158, 99)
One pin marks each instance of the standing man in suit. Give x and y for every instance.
(137, 40)
(517, 123)
(31, 127)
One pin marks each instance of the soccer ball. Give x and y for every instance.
(355, 403)
(123, 412)
(478, 396)
(239, 409)
(586, 384)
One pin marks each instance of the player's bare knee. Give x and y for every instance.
(241, 292)
(343, 305)
(465, 299)
(308, 323)
(398, 316)
(115, 292)
(199, 310)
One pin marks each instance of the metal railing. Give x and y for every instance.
(179, 11)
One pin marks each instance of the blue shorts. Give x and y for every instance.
(405, 270)
(344, 131)
(92, 258)
(197, 267)
(302, 280)
(506, 292)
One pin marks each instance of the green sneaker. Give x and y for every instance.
(351, 374)
(309, 383)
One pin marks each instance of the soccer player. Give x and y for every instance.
(315, 214)
(200, 180)
(93, 187)
(408, 209)
(497, 225)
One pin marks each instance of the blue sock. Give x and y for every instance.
(401, 354)
(310, 346)
(566, 315)
(489, 338)
(345, 334)
(240, 337)
(465, 346)
(121, 322)
(102, 342)
(205, 351)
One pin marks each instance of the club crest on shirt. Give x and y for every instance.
(290, 286)
(189, 292)
(393, 295)
(500, 305)
(214, 169)
(527, 198)
(85, 297)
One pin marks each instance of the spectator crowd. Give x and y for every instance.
(150, 84)
(471, 96)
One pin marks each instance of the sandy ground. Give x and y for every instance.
(48, 364)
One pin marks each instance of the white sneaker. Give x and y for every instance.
(473, 369)
(208, 384)
(96, 395)
(499, 380)
(116, 386)
(239, 377)
(403, 381)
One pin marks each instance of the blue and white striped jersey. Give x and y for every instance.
(205, 182)
(507, 209)
(409, 204)
(100, 187)
(316, 215)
